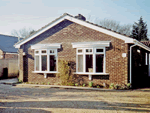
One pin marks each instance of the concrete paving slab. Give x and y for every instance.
(9, 81)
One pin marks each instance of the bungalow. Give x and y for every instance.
(100, 55)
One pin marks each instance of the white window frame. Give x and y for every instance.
(94, 53)
(48, 60)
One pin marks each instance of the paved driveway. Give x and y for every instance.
(56, 100)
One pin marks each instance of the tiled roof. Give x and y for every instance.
(43, 27)
(7, 43)
(147, 43)
(73, 17)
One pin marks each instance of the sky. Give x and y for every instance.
(18, 14)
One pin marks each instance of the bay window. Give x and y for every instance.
(91, 58)
(45, 58)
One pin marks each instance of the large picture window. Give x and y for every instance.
(91, 60)
(46, 60)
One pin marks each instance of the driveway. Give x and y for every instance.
(56, 100)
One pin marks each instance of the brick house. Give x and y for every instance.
(100, 55)
(7, 49)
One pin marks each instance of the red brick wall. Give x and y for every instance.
(10, 56)
(4, 55)
(67, 32)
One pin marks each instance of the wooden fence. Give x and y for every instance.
(8, 68)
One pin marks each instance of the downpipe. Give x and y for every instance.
(131, 63)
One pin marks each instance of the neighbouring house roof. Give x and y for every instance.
(7, 43)
(96, 27)
(147, 43)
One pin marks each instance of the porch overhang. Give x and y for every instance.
(91, 44)
(46, 46)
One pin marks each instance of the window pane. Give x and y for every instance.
(80, 51)
(36, 52)
(37, 63)
(52, 63)
(99, 63)
(88, 50)
(89, 63)
(44, 63)
(43, 51)
(99, 50)
(51, 51)
(80, 63)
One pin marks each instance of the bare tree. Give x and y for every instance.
(125, 29)
(115, 26)
(22, 33)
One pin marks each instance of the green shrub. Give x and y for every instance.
(117, 86)
(20, 81)
(70, 84)
(125, 86)
(76, 84)
(128, 85)
(90, 84)
(48, 83)
(84, 85)
(111, 86)
(98, 86)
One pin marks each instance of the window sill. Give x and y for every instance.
(90, 74)
(44, 71)
(81, 73)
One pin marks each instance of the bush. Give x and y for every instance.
(111, 86)
(90, 84)
(48, 83)
(20, 81)
(70, 84)
(128, 85)
(76, 84)
(64, 72)
(117, 86)
(84, 85)
(98, 86)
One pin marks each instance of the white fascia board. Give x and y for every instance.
(11, 53)
(111, 33)
(40, 32)
(17, 46)
(46, 46)
(91, 44)
(141, 45)
(131, 41)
